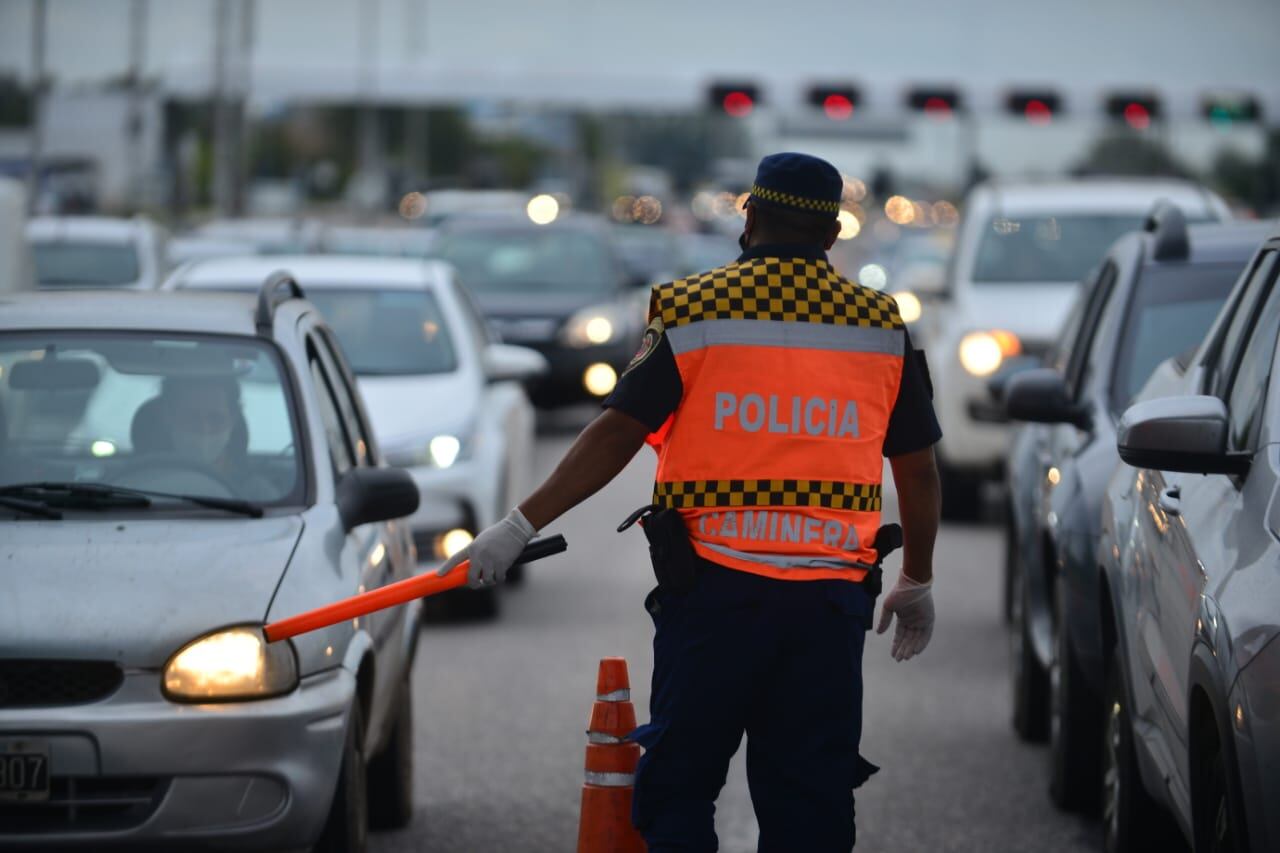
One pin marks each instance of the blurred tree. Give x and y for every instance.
(1255, 183)
(684, 145)
(1127, 153)
(15, 104)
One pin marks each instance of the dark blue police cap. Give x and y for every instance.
(798, 182)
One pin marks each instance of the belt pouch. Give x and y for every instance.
(675, 563)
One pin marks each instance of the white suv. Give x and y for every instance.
(1021, 252)
(98, 252)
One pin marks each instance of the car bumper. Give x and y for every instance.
(137, 771)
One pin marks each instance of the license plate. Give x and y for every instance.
(24, 770)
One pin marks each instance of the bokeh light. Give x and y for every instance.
(900, 210)
(543, 209)
(873, 276)
(413, 205)
(850, 227)
(646, 210)
(945, 214)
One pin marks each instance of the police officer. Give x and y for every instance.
(770, 388)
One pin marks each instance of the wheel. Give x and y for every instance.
(961, 494)
(1029, 680)
(391, 770)
(1216, 820)
(347, 829)
(1130, 818)
(1074, 724)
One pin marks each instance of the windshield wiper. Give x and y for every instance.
(30, 507)
(103, 496)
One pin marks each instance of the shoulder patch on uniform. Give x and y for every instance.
(652, 337)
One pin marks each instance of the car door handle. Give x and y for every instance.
(1171, 500)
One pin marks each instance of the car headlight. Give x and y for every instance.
(233, 663)
(439, 451)
(909, 307)
(982, 353)
(595, 326)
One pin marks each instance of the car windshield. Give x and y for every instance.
(1171, 312)
(389, 332)
(65, 264)
(189, 415)
(520, 260)
(1017, 249)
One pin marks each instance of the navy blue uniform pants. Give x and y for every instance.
(780, 661)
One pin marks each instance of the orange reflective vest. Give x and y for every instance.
(773, 457)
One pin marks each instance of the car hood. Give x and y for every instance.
(135, 591)
(409, 408)
(1032, 311)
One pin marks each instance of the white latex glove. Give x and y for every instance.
(493, 551)
(912, 603)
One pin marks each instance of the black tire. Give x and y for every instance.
(347, 829)
(1030, 680)
(1131, 819)
(961, 494)
(1217, 821)
(1074, 724)
(390, 790)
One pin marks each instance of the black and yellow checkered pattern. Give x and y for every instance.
(695, 494)
(795, 290)
(796, 201)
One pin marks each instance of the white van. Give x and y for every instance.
(16, 270)
(1022, 250)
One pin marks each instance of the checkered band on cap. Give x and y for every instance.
(695, 494)
(811, 205)
(795, 291)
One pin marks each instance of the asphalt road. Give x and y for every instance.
(501, 707)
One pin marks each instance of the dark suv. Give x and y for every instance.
(1155, 295)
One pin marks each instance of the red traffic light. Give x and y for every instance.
(837, 102)
(1137, 116)
(1037, 108)
(1137, 111)
(837, 107)
(939, 104)
(734, 99)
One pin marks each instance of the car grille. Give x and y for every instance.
(36, 683)
(85, 804)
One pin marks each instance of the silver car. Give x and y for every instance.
(1190, 567)
(175, 471)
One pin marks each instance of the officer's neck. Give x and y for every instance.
(762, 249)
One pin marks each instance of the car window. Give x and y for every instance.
(470, 311)
(1097, 301)
(345, 393)
(514, 260)
(188, 414)
(1253, 368)
(389, 332)
(340, 452)
(1241, 315)
(1016, 249)
(88, 264)
(1171, 309)
(1060, 354)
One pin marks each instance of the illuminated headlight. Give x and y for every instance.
(982, 353)
(599, 379)
(909, 307)
(593, 327)
(451, 542)
(234, 663)
(444, 450)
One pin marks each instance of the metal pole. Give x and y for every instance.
(221, 114)
(370, 142)
(240, 147)
(137, 62)
(39, 86)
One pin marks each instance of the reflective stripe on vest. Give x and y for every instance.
(790, 373)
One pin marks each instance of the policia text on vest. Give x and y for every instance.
(814, 415)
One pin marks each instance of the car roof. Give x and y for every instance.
(200, 313)
(1118, 195)
(570, 220)
(316, 272)
(99, 228)
(1230, 242)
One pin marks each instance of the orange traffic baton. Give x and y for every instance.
(605, 824)
(400, 592)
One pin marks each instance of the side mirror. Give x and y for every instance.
(1040, 395)
(1179, 434)
(506, 363)
(366, 495)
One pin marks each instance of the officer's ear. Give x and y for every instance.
(833, 232)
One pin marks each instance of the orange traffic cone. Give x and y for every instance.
(605, 825)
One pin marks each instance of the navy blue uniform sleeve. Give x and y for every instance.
(650, 389)
(913, 425)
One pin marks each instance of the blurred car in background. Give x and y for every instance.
(176, 471)
(441, 205)
(559, 288)
(1189, 554)
(446, 403)
(98, 251)
(1022, 250)
(265, 235)
(376, 241)
(651, 254)
(1154, 297)
(702, 251)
